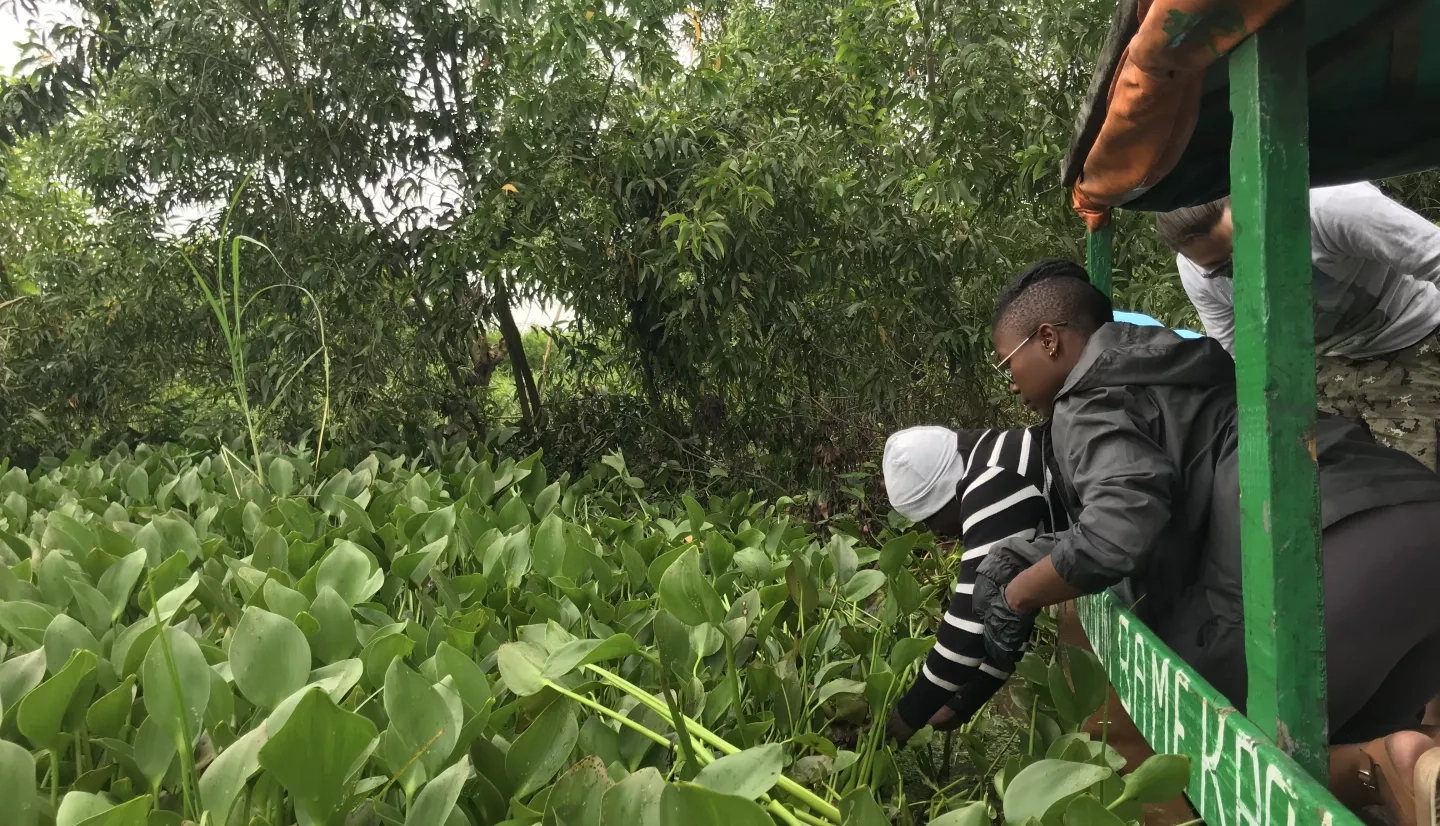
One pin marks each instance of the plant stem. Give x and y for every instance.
(790, 817)
(792, 788)
(611, 713)
(55, 777)
(186, 748)
(677, 720)
(735, 681)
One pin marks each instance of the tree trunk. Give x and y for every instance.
(528, 394)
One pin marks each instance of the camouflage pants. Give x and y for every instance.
(1397, 395)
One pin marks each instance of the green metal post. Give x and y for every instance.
(1100, 256)
(1275, 377)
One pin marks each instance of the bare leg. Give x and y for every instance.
(1390, 764)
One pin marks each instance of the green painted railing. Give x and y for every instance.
(1271, 767)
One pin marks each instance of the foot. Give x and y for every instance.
(1405, 768)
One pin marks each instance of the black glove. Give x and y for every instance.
(1006, 631)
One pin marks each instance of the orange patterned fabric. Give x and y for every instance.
(1155, 95)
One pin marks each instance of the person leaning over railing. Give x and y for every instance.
(1376, 286)
(1144, 437)
(979, 486)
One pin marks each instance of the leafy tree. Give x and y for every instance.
(779, 226)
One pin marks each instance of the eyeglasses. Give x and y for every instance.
(1003, 365)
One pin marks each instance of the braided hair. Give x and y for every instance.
(1049, 292)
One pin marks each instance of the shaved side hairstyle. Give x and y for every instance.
(1052, 291)
(1181, 226)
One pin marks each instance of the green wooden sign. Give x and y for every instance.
(1238, 776)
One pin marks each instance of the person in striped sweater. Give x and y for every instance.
(981, 486)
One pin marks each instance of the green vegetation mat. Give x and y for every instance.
(462, 640)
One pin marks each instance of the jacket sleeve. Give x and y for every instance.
(1124, 481)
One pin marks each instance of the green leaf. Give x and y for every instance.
(176, 701)
(577, 797)
(154, 751)
(137, 485)
(694, 513)
(432, 807)
(522, 666)
(685, 804)
(420, 717)
(971, 814)
(908, 651)
(748, 774)
(287, 602)
(858, 808)
(166, 536)
(93, 607)
(672, 639)
(41, 715)
(439, 525)
(347, 570)
(635, 801)
(188, 487)
(26, 621)
(119, 579)
(547, 552)
(317, 754)
(282, 476)
(131, 646)
(546, 500)
(18, 676)
(169, 604)
(68, 534)
(271, 550)
(355, 516)
(686, 593)
(754, 563)
(470, 682)
(1089, 679)
(863, 584)
(19, 805)
(78, 806)
(133, 812)
(109, 714)
(542, 749)
(1160, 779)
(1042, 784)
(336, 639)
(512, 515)
(226, 777)
(62, 638)
(387, 645)
(269, 657)
(898, 553)
(1086, 810)
(576, 653)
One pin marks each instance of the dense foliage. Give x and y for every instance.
(778, 226)
(461, 640)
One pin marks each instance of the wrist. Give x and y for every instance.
(1016, 597)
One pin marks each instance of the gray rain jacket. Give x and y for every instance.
(1144, 438)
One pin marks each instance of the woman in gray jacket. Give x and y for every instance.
(1143, 428)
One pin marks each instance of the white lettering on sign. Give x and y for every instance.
(1238, 777)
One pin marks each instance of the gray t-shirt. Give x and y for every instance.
(1376, 266)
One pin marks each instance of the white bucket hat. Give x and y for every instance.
(922, 467)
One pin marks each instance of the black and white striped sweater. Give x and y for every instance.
(1006, 491)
